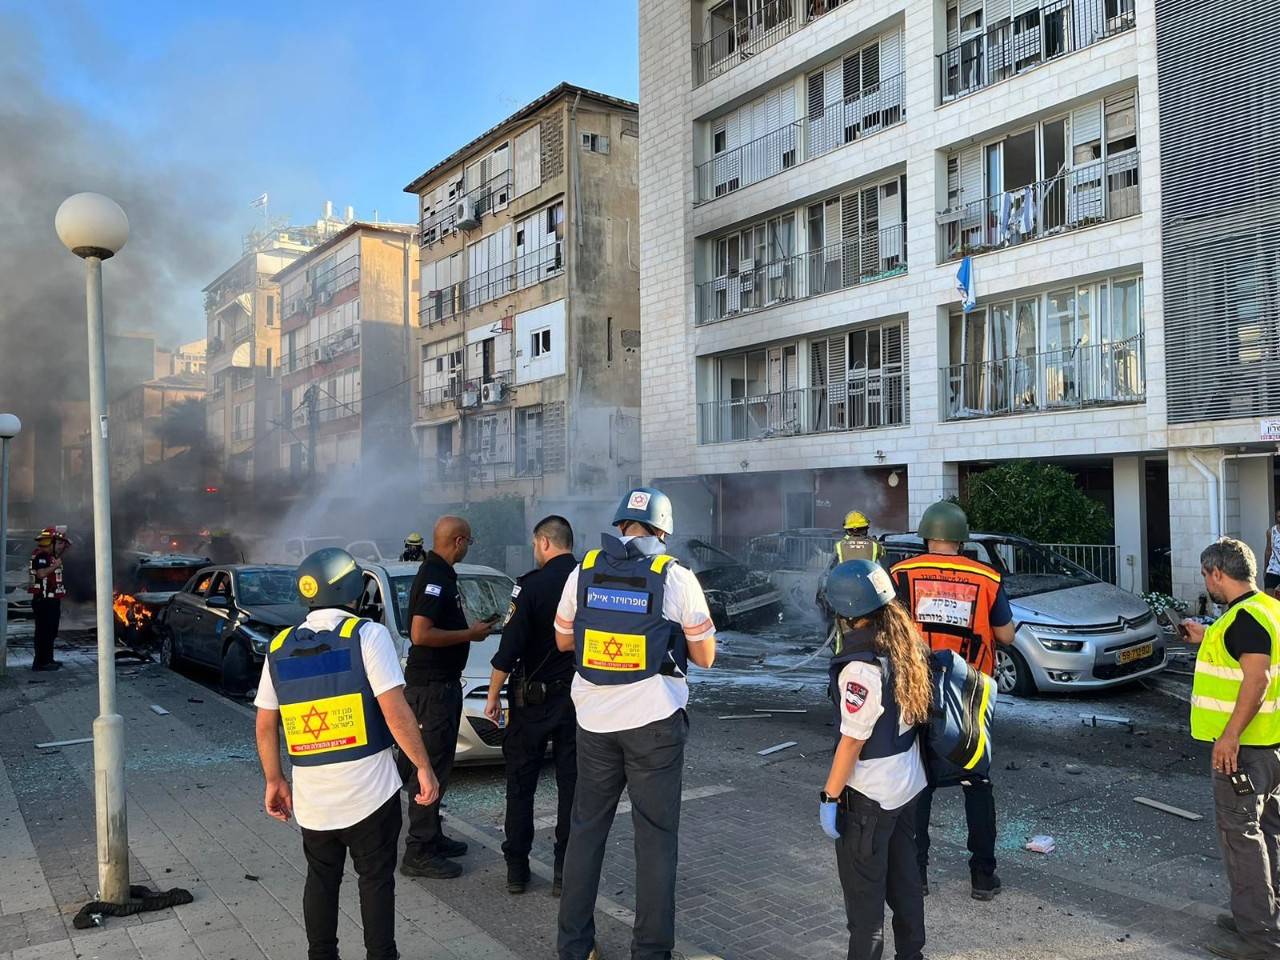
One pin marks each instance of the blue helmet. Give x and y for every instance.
(646, 505)
(856, 588)
(330, 577)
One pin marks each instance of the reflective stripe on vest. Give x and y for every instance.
(620, 633)
(857, 548)
(327, 706)
(950, 599)
(1218, 677)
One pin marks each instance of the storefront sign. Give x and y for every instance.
(1270, 429)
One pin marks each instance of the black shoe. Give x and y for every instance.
(924, 882)
(1233, 948)
(1227, 922)
(431, 867)
(51, 665)
(985, 886)
(446, 847)
(517, 877)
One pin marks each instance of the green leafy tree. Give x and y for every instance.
(1039, 501)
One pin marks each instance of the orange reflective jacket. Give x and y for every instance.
(950, 598)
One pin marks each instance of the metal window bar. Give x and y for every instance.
(868, 400)
(1100, 559)
(449, 394)
(1017, 44)
(493, 193)
(330, 348)
(870, 257)
(760, 29)
(338, 277)
(1087, 375)
(861, 114)
(537, 265)
(436, 306)
(1074, 199)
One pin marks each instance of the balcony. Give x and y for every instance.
(873, 256)
(338, 277)
(1014, 46)
(1082, 197)
(434, 398)
(866, 112)
(1094, 375)
(528, 269)
(330, 348)
(866, 402)
(730, 45)
(490, 195)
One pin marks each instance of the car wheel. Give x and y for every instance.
(168, 649)
(1013, 676)
(236, 669)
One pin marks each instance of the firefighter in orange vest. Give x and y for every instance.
(959, 604)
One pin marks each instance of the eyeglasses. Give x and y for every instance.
(470, 541)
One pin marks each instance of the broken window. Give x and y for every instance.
(529, 441)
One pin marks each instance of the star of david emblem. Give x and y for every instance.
(320, 721)
(613, 648)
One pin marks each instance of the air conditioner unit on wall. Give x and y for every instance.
(492, 391)
(471, 398)
(466, 213)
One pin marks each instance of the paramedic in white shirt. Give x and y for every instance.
(334, 683)
(630, 692)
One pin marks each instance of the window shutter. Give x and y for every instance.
(851, 81)
(890, 55)
(1024, 6)
(971, 174)
(834, 82)
(996, 10)
(1121, 116)
(817, 99)
(870, 65)
(850, 217)
(1086, 130)
(528, 160)
(786, 105)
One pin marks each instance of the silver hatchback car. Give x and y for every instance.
(1073, 631)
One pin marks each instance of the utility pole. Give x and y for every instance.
(312, 400)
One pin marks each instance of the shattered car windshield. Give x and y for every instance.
(1029, 568)
(267, 587)
(485, 597)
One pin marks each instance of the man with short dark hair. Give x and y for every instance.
(441, 639)
(538, 691)
(1235, 704)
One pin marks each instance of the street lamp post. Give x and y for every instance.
(10, 427)
(94, 228)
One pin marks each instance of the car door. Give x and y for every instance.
(182, 611)
(206, 635)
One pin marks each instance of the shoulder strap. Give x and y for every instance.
(350, 626)
(660, 562)
(589, 560)
(279, 640)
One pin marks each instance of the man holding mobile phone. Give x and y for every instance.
(1235, 704)
(441, 640)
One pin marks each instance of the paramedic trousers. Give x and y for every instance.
(876, 857)
(1249, 832)
(649, 762)
(373, 844)
(979, 811)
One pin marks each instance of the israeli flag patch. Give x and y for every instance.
(432, 588)
(515, 591)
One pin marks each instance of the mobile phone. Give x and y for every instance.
(1242, 784)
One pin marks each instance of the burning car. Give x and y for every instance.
(738, 597)
(144, 589)
(225, 617)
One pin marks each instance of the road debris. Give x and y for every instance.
(64, 743)
(778, 710)
(1165, 808)
(252, 876)
(745, 716)
(775, 748)
(1074, 769)
(159, 711)
(1093, 719)
(194, 700)
(1041, 843)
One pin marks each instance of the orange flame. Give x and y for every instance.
(129, 610)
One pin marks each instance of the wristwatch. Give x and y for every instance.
(825, 797)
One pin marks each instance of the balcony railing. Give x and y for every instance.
(1028, 40)
(525, 271)
(433, 398)
(1077, 198)
(772, 21)
(873, 256)
(864, 402)
(338, 277)
(1093, 375)
(1100, 559)
(858, 115)
(493, 193)
(240, 334)
(330, 348)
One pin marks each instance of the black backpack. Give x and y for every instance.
(958, 739)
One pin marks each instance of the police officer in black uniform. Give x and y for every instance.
(541, 710)
(441, 640)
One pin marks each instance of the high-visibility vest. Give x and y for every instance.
(950, 599)
(857, 548)
(1218, 677)
(327, 706)
(620, 634)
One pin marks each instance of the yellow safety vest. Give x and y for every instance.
(1218, 677)
(857, 548)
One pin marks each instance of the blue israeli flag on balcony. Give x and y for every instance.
(964, 283)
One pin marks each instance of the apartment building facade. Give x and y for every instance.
(345, 370)
(242, 347)
(529, 380)
(814, 172)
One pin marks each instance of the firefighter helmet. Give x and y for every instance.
(856, 520)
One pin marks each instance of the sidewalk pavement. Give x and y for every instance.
(195, 821)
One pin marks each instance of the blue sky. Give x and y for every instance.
(310, 101)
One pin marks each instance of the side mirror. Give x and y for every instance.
(217, 602)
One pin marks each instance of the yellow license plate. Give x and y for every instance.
(1135, 653)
